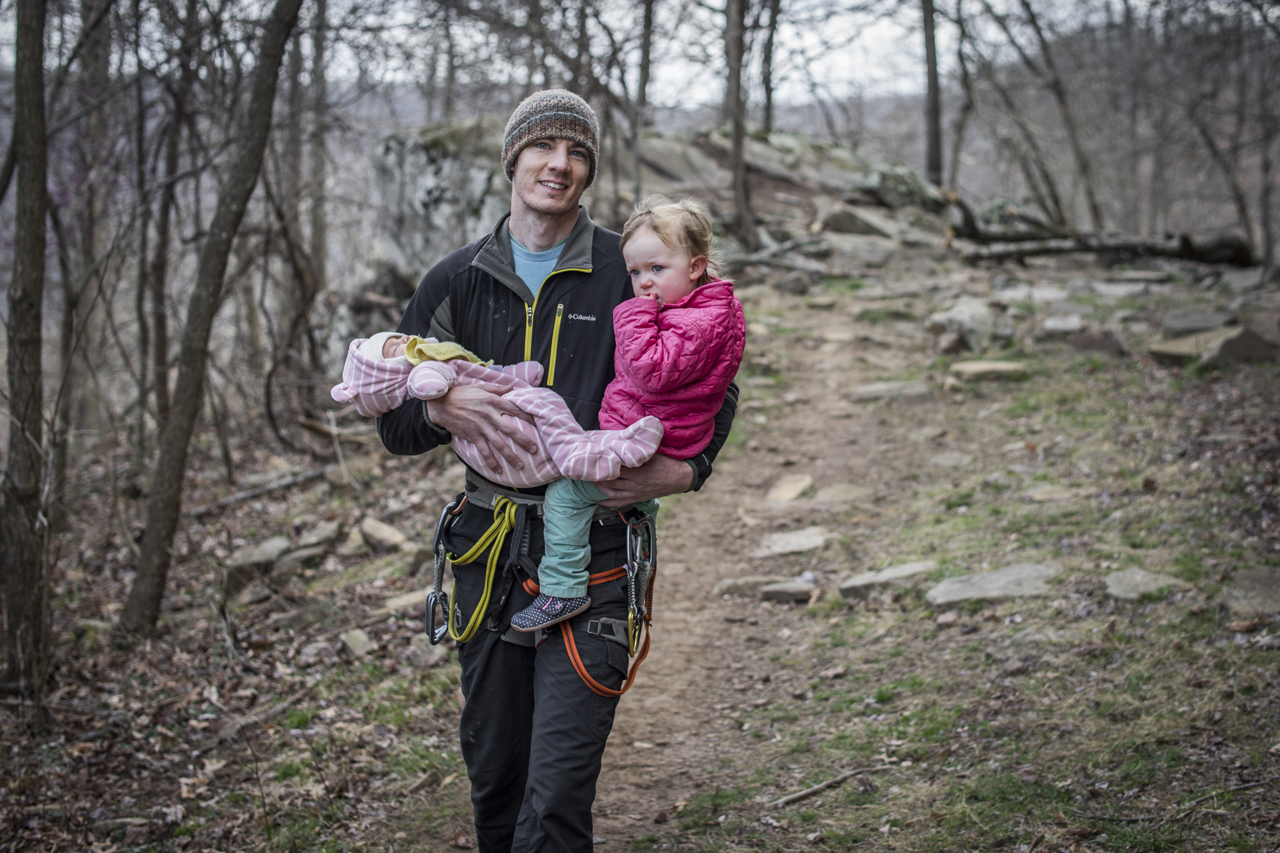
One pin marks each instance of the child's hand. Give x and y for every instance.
(393, 347)
(650, 295)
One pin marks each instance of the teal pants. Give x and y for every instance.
(566, 516)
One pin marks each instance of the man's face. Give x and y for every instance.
(550, 176)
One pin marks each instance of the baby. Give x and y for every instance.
(679, 344)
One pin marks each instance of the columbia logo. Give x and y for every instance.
(591, 317)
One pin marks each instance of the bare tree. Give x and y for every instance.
(932, 100)
(142, 609)
(735, 46)
(23, 525)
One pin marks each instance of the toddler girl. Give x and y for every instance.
(679, 344)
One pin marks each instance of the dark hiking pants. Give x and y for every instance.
(532, 732)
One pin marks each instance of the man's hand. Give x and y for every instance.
(481, 415)
(660, 476)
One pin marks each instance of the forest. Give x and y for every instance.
(205, 202)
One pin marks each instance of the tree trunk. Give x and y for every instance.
(966, 108)
(23, 526)
(139, 453)
(766, 65)
(640, 115)
(734, 41)
(1059, 91)
(319, 244)
(932, 108)
(142, 609)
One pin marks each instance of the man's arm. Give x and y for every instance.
(662, 475)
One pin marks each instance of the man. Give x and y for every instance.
(542, 286)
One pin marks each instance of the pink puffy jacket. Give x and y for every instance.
(675, 362)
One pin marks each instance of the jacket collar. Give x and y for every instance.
(496, 259)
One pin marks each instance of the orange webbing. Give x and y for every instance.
(596, 687)
(531, 586)
(572, 647)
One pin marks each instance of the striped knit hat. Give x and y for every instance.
(551, 114)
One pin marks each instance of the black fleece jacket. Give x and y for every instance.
(475, 298)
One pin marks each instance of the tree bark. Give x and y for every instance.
(1222, 250)
(932, 101)
(23, 526)
(319, 245)
(640, 114)
(766, 65)
(734, 41)
(142, 609)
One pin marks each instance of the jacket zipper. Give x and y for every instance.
(555, 345)
(528, 324)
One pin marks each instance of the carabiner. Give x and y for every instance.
(438, 597)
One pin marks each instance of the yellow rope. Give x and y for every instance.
(504, 520)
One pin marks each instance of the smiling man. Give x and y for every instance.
(542, 286)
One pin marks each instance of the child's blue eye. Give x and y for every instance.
(657, 269)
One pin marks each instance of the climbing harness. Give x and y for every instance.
(509, 517)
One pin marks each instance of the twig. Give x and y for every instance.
(285, 483)
(830, 783)
(1090, 816)
(1192, 805)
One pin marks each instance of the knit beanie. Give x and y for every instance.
(551, 114)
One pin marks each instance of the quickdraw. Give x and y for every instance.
(504, 518)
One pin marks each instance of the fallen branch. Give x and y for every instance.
(361, 434)
(768, 256)
(248, 494)
(1220, 250)
(830, 783)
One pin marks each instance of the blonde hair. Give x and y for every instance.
(683, 224)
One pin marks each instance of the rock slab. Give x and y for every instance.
(787, 591)
(989, 370)
(747, 585)
(1215, 348)
(882, 390)
(1135, 583)
(1254, 592)
(789, 488)
(1179, 323)
(1018, 580)
(382, 536)
(356, 643)
(860, 586)
(792, 542)
(265, 553)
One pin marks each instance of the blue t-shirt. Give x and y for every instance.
(534, 267)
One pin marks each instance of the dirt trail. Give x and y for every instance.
(709, 652)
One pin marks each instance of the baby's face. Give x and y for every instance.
(660, 272)
(393, 347)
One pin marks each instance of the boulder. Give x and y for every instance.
(862, 250)
(1019, 580)
(298, 558)
(972, 318)
(407, 601)
(1266, 325)
(322, 534)
(382, 536)
(1176, 324)
(262, 555)
(1061, 325)
(1098, 340)
(1043, 294)
(356, 643)
(898, 187)
(845, 219)
(1244, 280)
(1214, 347)
(423, 655)
(902, 575)
(358, 468)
